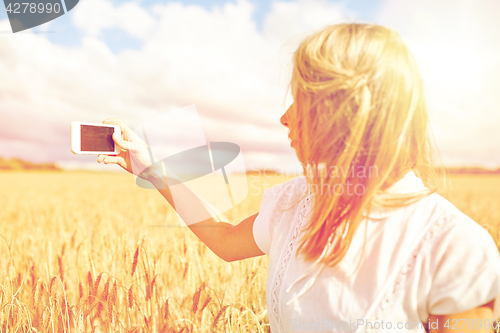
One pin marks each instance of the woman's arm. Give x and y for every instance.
(474, 320)
(229, 242)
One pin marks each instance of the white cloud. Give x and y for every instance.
(458, 50)
(92, 16)
(300, 18)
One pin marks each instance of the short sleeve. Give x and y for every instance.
(261, 230)
(466, 268)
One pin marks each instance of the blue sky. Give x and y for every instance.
(63, 32)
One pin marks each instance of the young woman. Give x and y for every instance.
(361, 242)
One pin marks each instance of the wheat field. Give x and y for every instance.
(89, 252)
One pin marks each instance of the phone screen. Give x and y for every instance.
(97, 138)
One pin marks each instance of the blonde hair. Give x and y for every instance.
(358, 106)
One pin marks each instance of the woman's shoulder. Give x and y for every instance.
(459, 239)
(456, 220)
(446, 230)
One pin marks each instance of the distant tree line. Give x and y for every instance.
(448, 170)
(18, 164)
(470, 170)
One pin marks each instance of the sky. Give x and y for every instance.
(135, 60)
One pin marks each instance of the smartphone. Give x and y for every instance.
(93, 138)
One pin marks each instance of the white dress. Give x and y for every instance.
(425, 258)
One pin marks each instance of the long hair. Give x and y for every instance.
(362, 124)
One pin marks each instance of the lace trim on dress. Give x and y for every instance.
(284, 263)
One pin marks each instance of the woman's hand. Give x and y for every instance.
(134, 155)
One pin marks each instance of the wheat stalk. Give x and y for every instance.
(46, 318)
(32, 275)
(111, 301)
(80, 289)
(96, 284)
(165, 316)
(196, 300)
(71, 314)
(90, 282)
(185, 270)
(104, 298)
(205, 303)
(51, 285)
(149, 291)
(80, 322)
(72, 242)
(106, 290)
(221, 312)
(36, 293)
(136, 260)
(112, 295)
(60, 324)
(61, 270)
(130, 298)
